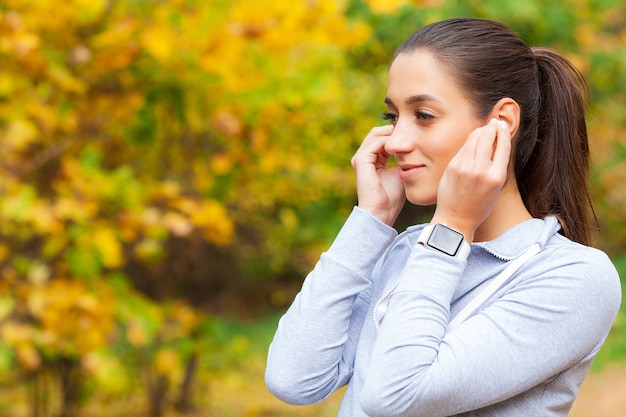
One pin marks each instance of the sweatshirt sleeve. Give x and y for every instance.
(546, 323)
(312, 353)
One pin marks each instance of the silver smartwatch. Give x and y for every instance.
(444, 239)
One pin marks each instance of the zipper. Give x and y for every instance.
(496, 255)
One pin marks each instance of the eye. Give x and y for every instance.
(393, 118)
(423, 116)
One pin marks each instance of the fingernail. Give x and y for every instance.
(494, 121)
(503, 124)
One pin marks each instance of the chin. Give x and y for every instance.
(421, 199)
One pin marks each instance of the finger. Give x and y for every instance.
(385, 130)
(502, 152)
(375, 137)
(376, 146)
(486, 143)
(372, 149)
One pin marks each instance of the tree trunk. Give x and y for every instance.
(184, 402)
(70, 381)
(157, 392)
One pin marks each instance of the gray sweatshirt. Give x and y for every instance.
(374, 314)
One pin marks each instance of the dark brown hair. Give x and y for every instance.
(551, 152)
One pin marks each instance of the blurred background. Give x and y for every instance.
(170, 170)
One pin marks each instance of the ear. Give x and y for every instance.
(508, 110)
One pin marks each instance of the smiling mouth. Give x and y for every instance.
(410, 170)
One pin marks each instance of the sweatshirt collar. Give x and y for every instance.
(519, 238)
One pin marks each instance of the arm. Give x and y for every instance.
(313, 350)
(542, 326)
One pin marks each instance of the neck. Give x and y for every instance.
(508, 211)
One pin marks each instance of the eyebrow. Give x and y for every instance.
(414, 99)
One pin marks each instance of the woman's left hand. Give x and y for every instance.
(473, 179)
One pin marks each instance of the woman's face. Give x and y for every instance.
(432, 119)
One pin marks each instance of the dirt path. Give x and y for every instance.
(602, 395)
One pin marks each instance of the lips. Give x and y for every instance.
(407, 171)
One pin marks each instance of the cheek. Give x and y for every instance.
(446, 149)
(454, 141)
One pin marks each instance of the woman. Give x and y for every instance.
(493, 133)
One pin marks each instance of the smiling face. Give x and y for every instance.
(432, 119)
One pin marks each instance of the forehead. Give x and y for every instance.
(419, 73)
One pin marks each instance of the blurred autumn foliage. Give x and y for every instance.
(164, 159)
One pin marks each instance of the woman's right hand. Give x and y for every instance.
(379, 187)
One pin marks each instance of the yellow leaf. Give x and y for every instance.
(15, 333)
(43, 219)
(288, 218)
(36, 302)
(62, 78)
(166, 362)
(74, 210)
(220, 164)
(7, 84)
(385, 6)
(136, 334)
(159, 41)
(107, 244)
(184, 316)
(203, 179)
(19, 134)
(109, 372)
(212, 217)
(6, 306)
(586, 35)
(28, 356)
(24, 43)
(89, 9)
(117, 33)
(87, 302)
(167, 189)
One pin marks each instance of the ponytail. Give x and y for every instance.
(552, 176)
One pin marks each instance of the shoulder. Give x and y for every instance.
(581, 273)
(571, 286)
(591, 261)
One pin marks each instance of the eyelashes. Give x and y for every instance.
(389, 116)
(421, 116)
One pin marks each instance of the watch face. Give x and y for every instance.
(445, 239)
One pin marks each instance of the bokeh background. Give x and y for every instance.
(171, 169)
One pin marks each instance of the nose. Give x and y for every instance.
(401, 140)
